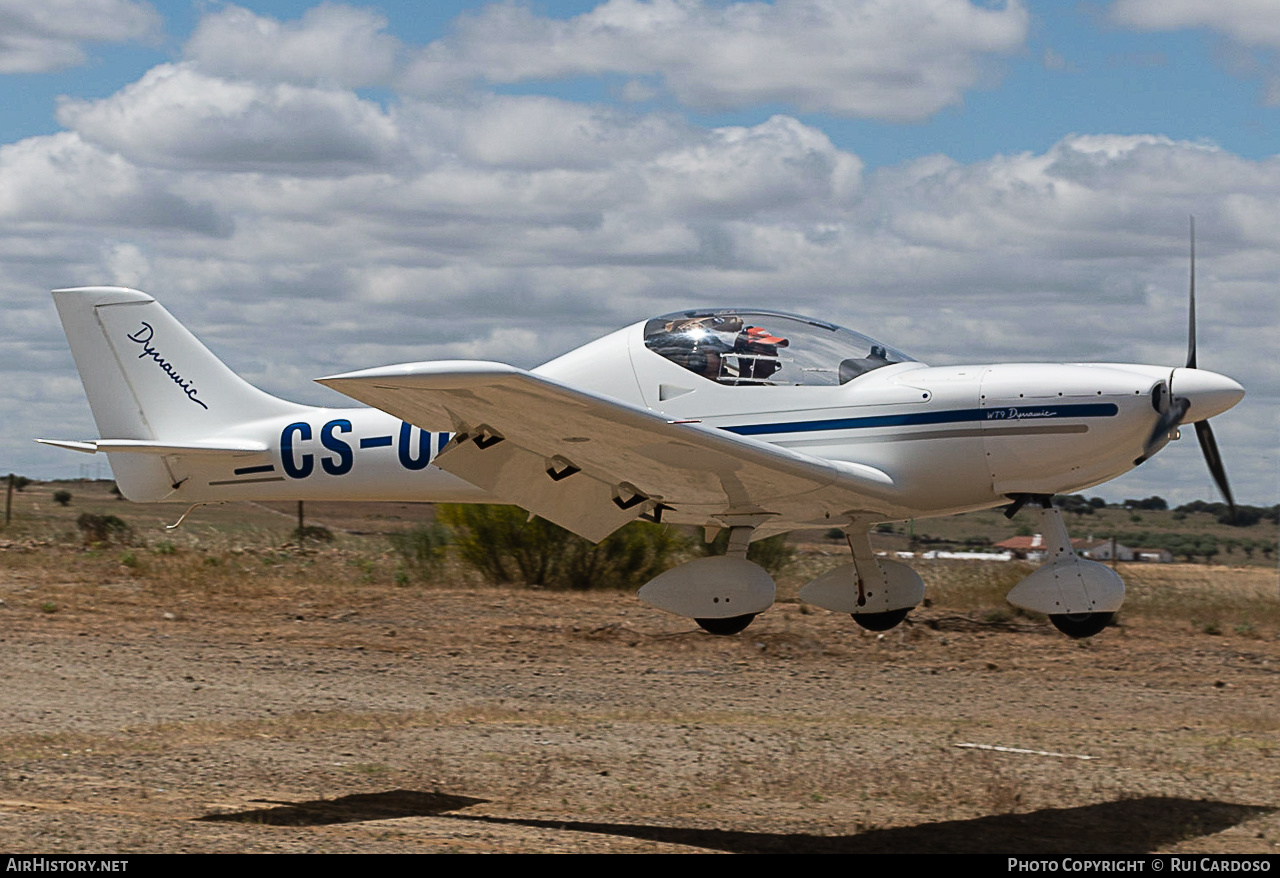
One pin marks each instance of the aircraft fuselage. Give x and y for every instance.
(952, 438)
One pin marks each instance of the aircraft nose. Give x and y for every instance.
(1208, 392)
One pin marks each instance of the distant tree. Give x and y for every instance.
(1097, 503)
(1198, 506)
(1075, 503)
(19, 482)
(1245, 516)
(62, 498)
(1190, 546)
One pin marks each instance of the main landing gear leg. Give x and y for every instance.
(739, 542)
(877, 592)
(722, 594)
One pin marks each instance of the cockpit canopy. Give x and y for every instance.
(737, 347)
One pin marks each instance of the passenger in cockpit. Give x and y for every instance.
(759, 354)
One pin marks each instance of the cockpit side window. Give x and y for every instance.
(755, 348)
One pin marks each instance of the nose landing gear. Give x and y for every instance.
(1079, 596)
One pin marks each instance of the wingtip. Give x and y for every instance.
(467, 371)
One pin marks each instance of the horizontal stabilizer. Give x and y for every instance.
(143, 446)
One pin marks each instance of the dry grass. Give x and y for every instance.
(241, 552)
(62, 575)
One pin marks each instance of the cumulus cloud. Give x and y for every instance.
(1251, 29)
(1250, 22)
(330, 45)
(593, 211)
(60, 182)
(899, 60)
(772, 167)
(530, 132)
(176, 116)
(39, 37)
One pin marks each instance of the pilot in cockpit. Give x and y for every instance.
(699, 343)
(721, 348)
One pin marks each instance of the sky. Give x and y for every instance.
(317, 188)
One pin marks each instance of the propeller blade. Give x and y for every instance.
(1191, 319)
(1173, 408)
(1204, 433)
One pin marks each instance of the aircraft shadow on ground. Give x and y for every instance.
(356, 808)
(1125, 827)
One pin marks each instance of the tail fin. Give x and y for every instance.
(148, 378)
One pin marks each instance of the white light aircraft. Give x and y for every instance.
(755, 421)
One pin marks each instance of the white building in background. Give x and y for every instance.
(1033, 548)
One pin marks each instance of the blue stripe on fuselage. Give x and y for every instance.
(916, 419)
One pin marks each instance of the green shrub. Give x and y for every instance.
(62, 498)
(316, 532)
(504, 545)
(771, 553)
(626, 559)
(422, 549)
(105, 529)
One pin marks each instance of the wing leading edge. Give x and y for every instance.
(591, 463)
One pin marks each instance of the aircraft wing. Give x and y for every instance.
(592, 463)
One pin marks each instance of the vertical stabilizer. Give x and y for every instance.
(148, 378)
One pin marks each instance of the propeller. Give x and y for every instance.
(1173, 408)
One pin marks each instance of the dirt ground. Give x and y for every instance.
(451, 719)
